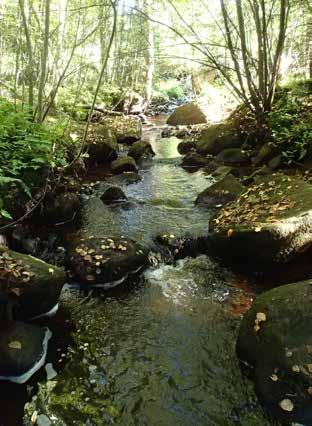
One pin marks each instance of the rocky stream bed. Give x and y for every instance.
(157, 344)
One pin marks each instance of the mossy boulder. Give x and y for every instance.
(23, 350)
(275, 338)
(105, 262)
(113, 194)
(127, 129)
(265, 154)
(217, 138)
(226, 190)
(195, 161)
(33, 285)
(141, 149)
(187, 114)
(102, 145)
(58, 208)
(185, 147)
(124, 165)
(233, 157)
(270, 223)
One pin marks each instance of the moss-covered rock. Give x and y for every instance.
(141, 149)
(275, 338)
(23, 350)
(216, 138)
(32, 284)
(270, 223)
(187, 114)
(113, 194)
(127, 129)
(185, 147)
(124, 165)
(233, 157)
(226, 190)
(102, 145)
(58, 208)
(265, 154)
(105, 262)
(195, 161)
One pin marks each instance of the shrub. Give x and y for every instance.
(27, 151)
(291, 121)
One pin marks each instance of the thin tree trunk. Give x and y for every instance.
(150, 59)
(30, 71)
(44, 60)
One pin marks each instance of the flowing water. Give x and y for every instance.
(159, 351)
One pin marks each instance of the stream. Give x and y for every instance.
(159, 350)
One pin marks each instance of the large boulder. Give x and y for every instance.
(58, 208)
(233, 157)
(124, 165)
(141, 149)
(222, 192)
(23, 350)
(265, 154)
(194, 161)
(187, 114)
(217, 138)
(105, 262)
(127, 129)
(102, 145)
(113, 194)
(32, 286)
(275, 338)
(270, 223)
(185, 147)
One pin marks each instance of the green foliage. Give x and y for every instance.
(291, 121)
(27, 151)
(169, 89)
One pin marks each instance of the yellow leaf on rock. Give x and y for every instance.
(230, 233)
(15, 344)
(261, 317)
(286, 405)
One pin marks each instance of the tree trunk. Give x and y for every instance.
(44, 60)
(30, 70)
(150, 58)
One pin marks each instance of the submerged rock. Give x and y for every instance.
(271, 223)
(113, 194)
(226, 190)
(23, 350)
(105, 262)
(102, 145)
(187, 114)
(275, 338)
(34, 285)
(141, 149)
(124, 165)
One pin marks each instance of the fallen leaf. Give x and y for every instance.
(230, 233)
(15, 344)
(286, 405)
(261, 317)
